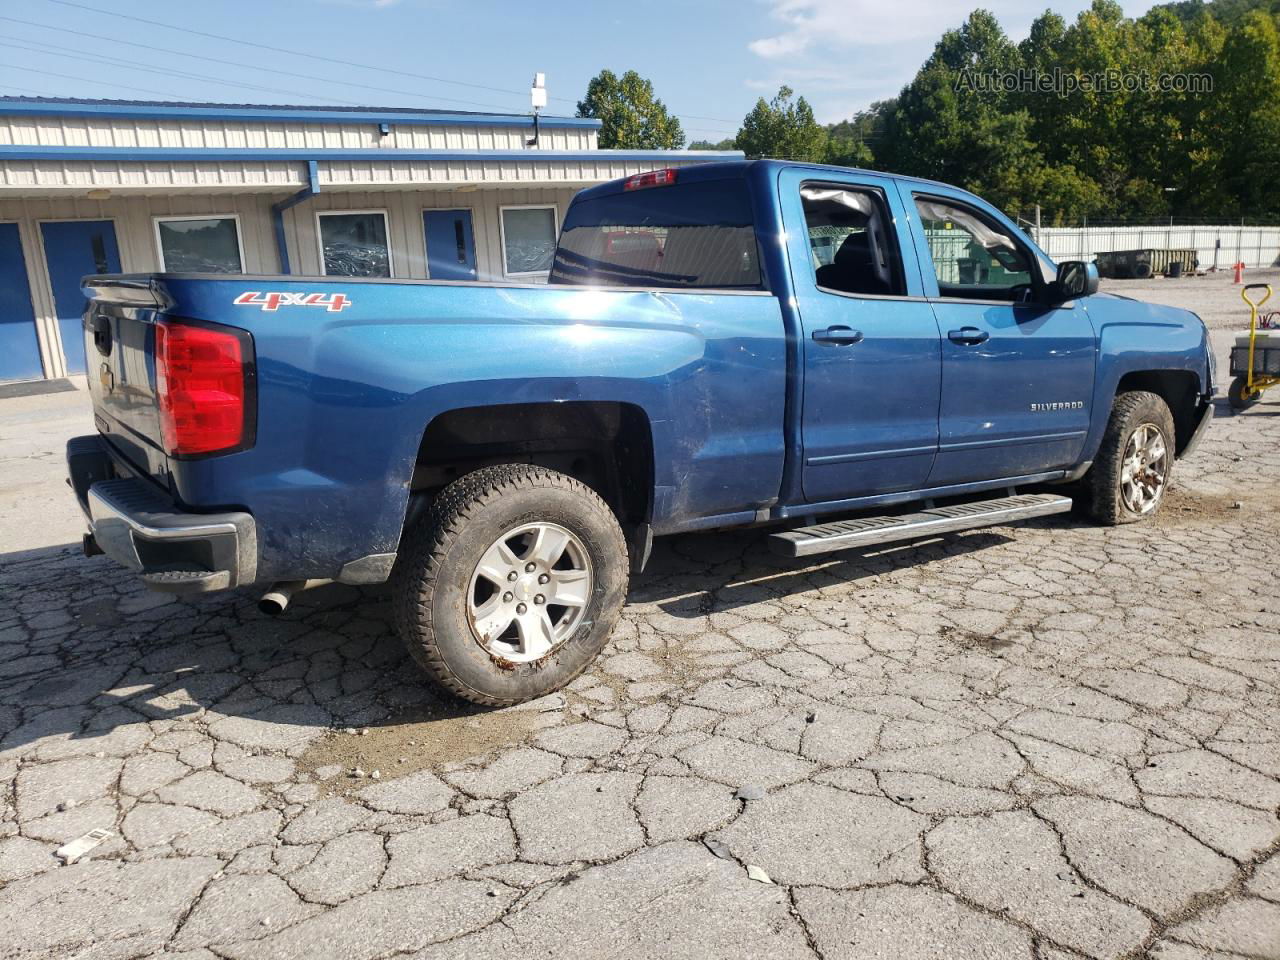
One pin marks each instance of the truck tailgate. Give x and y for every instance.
(119, 332)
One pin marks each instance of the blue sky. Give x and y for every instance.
(708, 59)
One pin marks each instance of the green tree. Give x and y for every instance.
(725, 144)
(950, 123)
(1095, 136)
(783, 128)
(1229, 13)
(1128, 149)
(632, 117)
(1041, 53)
(1202, 192)
(851, 143)
(848, 152)
(1248, 101)
(1064, 195)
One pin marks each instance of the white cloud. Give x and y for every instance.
(843, 54)
(826, 23)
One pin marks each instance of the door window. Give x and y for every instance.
(851, 242)
(973, 257)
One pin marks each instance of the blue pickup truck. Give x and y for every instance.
(848, 357)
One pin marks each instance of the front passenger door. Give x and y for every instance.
(1017, 373)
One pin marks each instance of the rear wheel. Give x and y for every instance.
(512, 583)
(1240, 396)
(1134, 465)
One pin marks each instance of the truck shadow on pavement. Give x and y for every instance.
(737, 569)
(93, 663)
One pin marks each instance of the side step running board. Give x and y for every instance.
(864, 531)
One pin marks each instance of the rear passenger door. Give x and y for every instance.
(870, 351)
(1017, 373)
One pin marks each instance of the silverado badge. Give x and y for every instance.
(1050, 407)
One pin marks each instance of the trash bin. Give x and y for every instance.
(971, 271)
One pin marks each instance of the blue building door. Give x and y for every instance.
(75, 249)
(451, 246)
(19, 348)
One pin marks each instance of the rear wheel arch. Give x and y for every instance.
(606, 445)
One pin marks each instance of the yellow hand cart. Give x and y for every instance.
(1255, 365)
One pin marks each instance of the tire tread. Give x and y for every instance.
(1104, 475)
(429, 542)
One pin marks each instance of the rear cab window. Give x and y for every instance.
(694, 235)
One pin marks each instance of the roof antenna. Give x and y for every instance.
(538, 97)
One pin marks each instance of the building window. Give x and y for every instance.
(354, 243)
(200, 244)
(528, 240)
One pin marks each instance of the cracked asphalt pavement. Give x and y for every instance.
(1045, 742)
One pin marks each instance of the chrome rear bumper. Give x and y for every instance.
(136, 524)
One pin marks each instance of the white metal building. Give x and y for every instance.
(93, 186)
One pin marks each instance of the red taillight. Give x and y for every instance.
(201, 378)
(654, 178)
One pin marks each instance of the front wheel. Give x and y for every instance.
(512, 584)
(1240, 396)
(1134, 465)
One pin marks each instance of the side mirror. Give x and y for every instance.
(1075, 279)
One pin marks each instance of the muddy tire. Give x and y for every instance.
(1134, 465)
(1238, 394)
(512, 583)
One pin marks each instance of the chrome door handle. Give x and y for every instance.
(969, 336)
(838, 335)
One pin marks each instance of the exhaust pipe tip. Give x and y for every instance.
(276, 600)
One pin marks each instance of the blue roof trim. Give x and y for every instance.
(11, 107)
(302, 154)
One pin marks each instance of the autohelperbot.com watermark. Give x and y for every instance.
(1064, 83)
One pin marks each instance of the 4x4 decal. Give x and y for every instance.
(333, 302)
